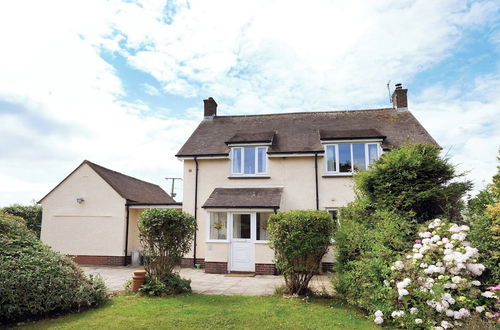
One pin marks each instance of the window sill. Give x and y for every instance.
(217, 241)
(233, 177)
(333, 175)
(262, 242)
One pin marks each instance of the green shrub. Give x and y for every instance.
(166, 236)
(484, 218)
(36, 281)
(404, 188)
(32, 215)
(300, 239)
(414, 180)
(168, 285)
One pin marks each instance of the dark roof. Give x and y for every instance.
(300, 132)
(245, 137)
(135, 191)
(351, 134)
(244, 198)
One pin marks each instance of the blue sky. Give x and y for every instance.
(121, 83)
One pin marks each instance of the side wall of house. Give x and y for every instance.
(295, 174)
(92, 231)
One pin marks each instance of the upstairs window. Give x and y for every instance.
(349, 157)
(249, 161)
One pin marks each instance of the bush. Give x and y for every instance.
(32, 215)
(300, 239)
(168, 285)
(166, 236)
(36, 281)
(435, 285)
(484, 218)
(414, 180)
(402, 189)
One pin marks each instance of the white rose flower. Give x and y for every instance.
(418, 321)
(413, 310)
(446, 325)
(399, 264)
(476, 283)
(479, 309)
(379, 313)
(450, 313)
(456, 279)
(488, 294)
(379, 320)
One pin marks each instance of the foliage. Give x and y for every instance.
(413, 180)
(198, 311)
(168, 285)
(483, 213)
(300, 239)
(435, 285)
(36, 281)
(166, 236)
(404, 188)
(32, 214)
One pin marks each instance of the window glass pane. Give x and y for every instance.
(345, 157)
(372, 153)
(241, 225)
(262, 160)
(262, 219)
(218, 225)
(358, 156)
(237, 160)
(249, 167)
(331, 163)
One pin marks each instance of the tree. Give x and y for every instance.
(300, 239)
(166, 236)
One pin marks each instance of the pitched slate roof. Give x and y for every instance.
(135, 191)
(300, 132)
(244, 198)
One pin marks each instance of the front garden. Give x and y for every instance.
(410, 253)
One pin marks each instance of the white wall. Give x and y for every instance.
(295, 174)
(94, 227)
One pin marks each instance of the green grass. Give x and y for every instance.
(202, 311)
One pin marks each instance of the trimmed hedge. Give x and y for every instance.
(35, 281)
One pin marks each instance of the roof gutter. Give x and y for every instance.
(195, 208)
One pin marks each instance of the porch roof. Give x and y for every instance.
(264, 198)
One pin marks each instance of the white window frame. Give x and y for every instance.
(337, 163)
(229, 224)
(210, 240)
(242, 164)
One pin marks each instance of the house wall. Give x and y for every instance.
(295, 174)
(93, 231)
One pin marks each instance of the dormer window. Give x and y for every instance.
(249, 161)
(345, 158)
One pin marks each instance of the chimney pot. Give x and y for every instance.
(210, 108)
(400, 98)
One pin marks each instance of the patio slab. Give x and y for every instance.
(215, 284)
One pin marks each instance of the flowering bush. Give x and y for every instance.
(435, 285)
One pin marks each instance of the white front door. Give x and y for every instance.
(242, 242)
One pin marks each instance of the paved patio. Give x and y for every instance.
(216, 284)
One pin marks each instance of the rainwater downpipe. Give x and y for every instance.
(195, 208)
(126, 235)
(316, 179)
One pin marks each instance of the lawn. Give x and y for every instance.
(203, 311)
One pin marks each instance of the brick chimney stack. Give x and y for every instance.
(400, 98)
(210, 110)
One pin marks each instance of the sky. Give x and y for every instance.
(121, 83)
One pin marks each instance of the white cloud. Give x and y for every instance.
(252, 56)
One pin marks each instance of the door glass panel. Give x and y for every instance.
(262, 226)
(345, 157)
(358, 156)
(241, 226)
(249, 166)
